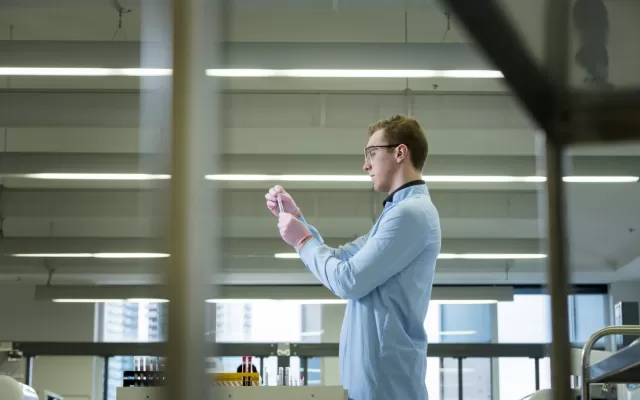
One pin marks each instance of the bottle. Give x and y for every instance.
(137, 381)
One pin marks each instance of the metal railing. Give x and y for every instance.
(590, 343)
(283, 352)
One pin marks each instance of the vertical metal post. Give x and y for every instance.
(557, 273)
(261, 367)
(536, 362)
(304, 363)
(460, 380)
(105, 378)
(192, 239)
(27, 373)
(557, 54)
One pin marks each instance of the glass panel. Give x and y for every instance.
(314, 371)
(449, 379)
(526, 319)
(476, 378)
(433, 378)
(516, 377)
(590, 316)
(466, 323)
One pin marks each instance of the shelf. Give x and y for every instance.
(620, 367)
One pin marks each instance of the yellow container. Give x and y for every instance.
(235, 379)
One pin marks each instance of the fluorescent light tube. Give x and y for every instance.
(325, 178)
(490, 256)
(483, 301)
(257, 73)
(269, 301)
(254, 301)
(353, 73)
(427, 178)
(91, 255)
(452, 256)
(97, 177)
(290, 178)
(601, 179)
(457, 333)
(53, 255)
(144, 301)
(27, 71)
(130, 255)
(88, 300)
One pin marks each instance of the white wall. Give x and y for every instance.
(332, 316)
(24, 319)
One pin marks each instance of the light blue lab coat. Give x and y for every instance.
(386, 276)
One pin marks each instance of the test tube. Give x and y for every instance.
(287, 376)
(280, 204)
(280, 376)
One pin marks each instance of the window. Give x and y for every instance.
(129, 322)
(459, 323)
(589, 315)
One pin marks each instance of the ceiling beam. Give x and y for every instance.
(268, 55)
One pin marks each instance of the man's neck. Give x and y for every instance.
(404, 179)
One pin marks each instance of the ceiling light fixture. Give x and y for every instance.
(88, 300)
(254, 301)
(28, 71)
(453, 256)
(257, 73)
(353, 73)
(457, 333)
(323, 178)
(95, 177)
(90, 255)
(279, 301)
(427, 178)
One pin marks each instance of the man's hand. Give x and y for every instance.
(293, 231)
(288, 204)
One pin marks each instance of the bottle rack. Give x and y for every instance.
(148, 372)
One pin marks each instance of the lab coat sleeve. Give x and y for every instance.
(403, 233)
(343, 252)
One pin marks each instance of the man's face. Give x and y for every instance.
(380, 161)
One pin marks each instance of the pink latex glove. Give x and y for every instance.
(288, 204)
(292, 230)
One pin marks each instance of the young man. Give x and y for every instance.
(386, 275)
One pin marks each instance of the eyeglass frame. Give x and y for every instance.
(380, 146)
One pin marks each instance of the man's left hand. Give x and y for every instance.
(292, 230)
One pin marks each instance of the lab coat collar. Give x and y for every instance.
(404, 191)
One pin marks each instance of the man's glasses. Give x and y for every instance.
(369, 151)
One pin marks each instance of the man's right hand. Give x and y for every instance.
(288, 204)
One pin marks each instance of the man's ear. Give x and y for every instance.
(402, 152)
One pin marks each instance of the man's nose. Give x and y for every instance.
(367, 166)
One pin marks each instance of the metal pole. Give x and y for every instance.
(460, 380)
(557, 273)
(557, 53)
(192, 242)
(105, 378)
(27, 375)
(305, 366)
(537, 371)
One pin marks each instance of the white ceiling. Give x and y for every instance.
(299, 126)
